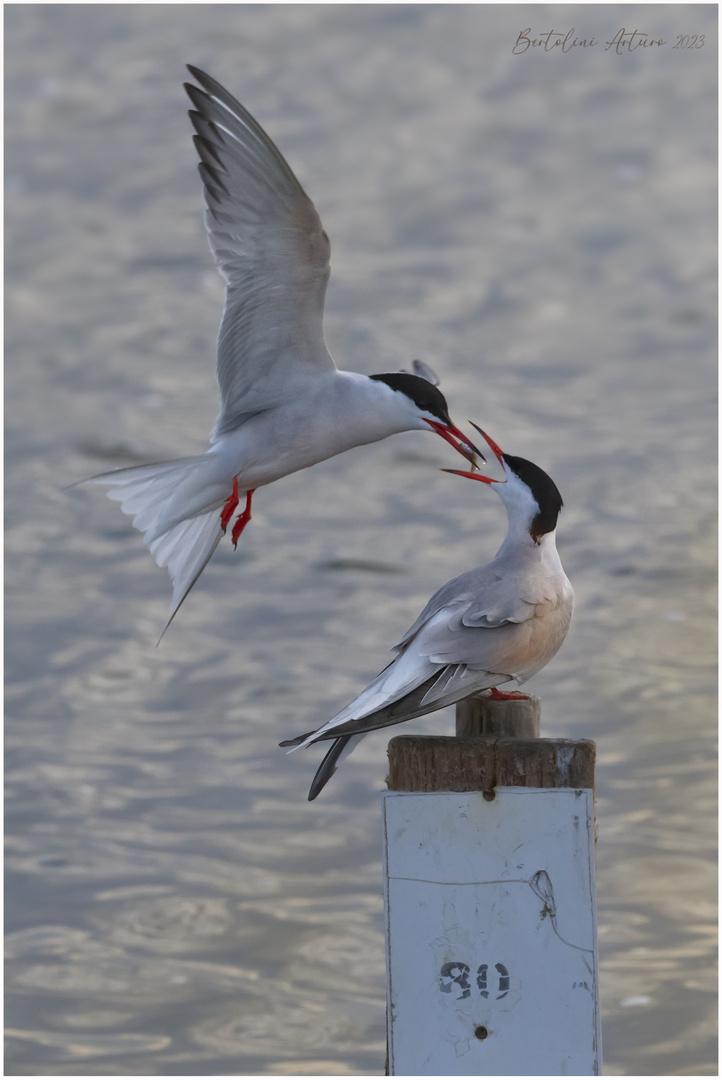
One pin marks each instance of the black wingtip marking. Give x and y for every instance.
(211, 182)
(327, 767)
(208, 154)
(205, 127)
(209, 171)
(207, 81)
(297, 740)
(197, 96)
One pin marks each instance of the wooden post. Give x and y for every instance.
(489, 897)
(482, 715)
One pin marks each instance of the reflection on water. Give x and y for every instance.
(538, 229)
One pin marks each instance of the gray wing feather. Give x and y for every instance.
(271, 250)
(453, 684)
(424, 371)
(486, 597)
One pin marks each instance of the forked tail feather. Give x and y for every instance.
(175, 504)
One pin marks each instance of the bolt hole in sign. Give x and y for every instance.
(491, 933)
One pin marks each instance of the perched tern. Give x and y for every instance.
(497, 624)
(284, 404)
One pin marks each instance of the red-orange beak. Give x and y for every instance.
(458, 440)
(475, 475)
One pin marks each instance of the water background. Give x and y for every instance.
(540, 228)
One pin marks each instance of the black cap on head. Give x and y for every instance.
(543, 489)
(423, 393)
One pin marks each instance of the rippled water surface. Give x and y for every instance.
(538, 227)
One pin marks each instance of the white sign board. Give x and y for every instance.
(491, 933)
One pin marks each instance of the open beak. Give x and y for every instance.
(458, 440)
(498, 453)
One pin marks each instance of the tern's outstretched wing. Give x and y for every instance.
(271, 250)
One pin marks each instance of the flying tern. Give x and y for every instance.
(284, 404)
(497, 624)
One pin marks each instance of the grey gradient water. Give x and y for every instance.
(540, 228)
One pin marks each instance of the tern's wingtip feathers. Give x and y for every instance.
(327, 767)
(201, 76)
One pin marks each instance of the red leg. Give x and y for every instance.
(242, 519)
(230, 505)
(498, 695)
